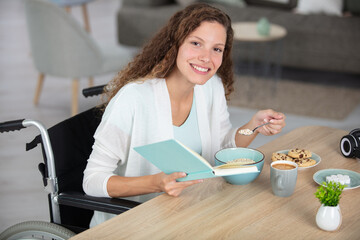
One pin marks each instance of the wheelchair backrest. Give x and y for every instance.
(71, 141)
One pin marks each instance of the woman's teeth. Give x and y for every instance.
(200, 68)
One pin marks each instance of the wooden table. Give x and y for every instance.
(218, 210)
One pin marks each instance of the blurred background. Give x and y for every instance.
(21, 191)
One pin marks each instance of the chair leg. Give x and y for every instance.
(91, 81)
(86, 18)
(87, 28)
(75, 103)
(38, 89)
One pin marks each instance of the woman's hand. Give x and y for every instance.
(169, 185)
(276, 119)
(119, 186)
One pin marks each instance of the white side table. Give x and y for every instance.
(246, 33)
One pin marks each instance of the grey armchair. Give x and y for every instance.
(67, 4)
(62, 48)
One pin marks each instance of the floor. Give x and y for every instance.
(21, 194)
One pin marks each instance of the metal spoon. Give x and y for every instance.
(248, 132)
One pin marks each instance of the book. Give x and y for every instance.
(172, 156)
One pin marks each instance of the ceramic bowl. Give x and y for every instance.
(228, 154)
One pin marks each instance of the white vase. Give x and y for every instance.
(329, 218)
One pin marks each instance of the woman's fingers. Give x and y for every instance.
(174, 188)
(277, 120)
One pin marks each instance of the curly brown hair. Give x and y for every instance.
(158, 56)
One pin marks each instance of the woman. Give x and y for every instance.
(175, 88)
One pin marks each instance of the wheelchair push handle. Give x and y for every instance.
(13, 125)
(23, 123)
(51, 180)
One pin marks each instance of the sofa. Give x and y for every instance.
(314, 41)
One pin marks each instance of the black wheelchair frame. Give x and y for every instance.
(66, 148)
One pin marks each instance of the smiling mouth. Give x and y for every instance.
(200, 69)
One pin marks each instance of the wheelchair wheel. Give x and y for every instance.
(36, 230)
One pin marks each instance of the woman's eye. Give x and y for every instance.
(195, 43)
(218, 50)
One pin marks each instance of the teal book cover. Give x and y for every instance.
(172, 156)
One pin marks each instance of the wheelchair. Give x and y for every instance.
(65, 149)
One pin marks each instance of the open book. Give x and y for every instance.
(172, 156)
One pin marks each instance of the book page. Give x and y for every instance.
(232, 171)
(195, 153)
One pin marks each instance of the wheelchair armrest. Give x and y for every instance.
(109, 205)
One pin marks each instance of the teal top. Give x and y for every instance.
(188, 133)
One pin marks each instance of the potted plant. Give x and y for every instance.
(329, 216)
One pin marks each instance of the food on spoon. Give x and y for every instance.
(246, 132)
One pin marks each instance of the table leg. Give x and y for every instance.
(252, 71)
(278, 62)
(86, 18)
(267, 63)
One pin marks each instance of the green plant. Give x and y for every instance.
(329, 193)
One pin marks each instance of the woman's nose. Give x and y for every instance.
(204, 56)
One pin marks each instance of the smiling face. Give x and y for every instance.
(200, 55)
